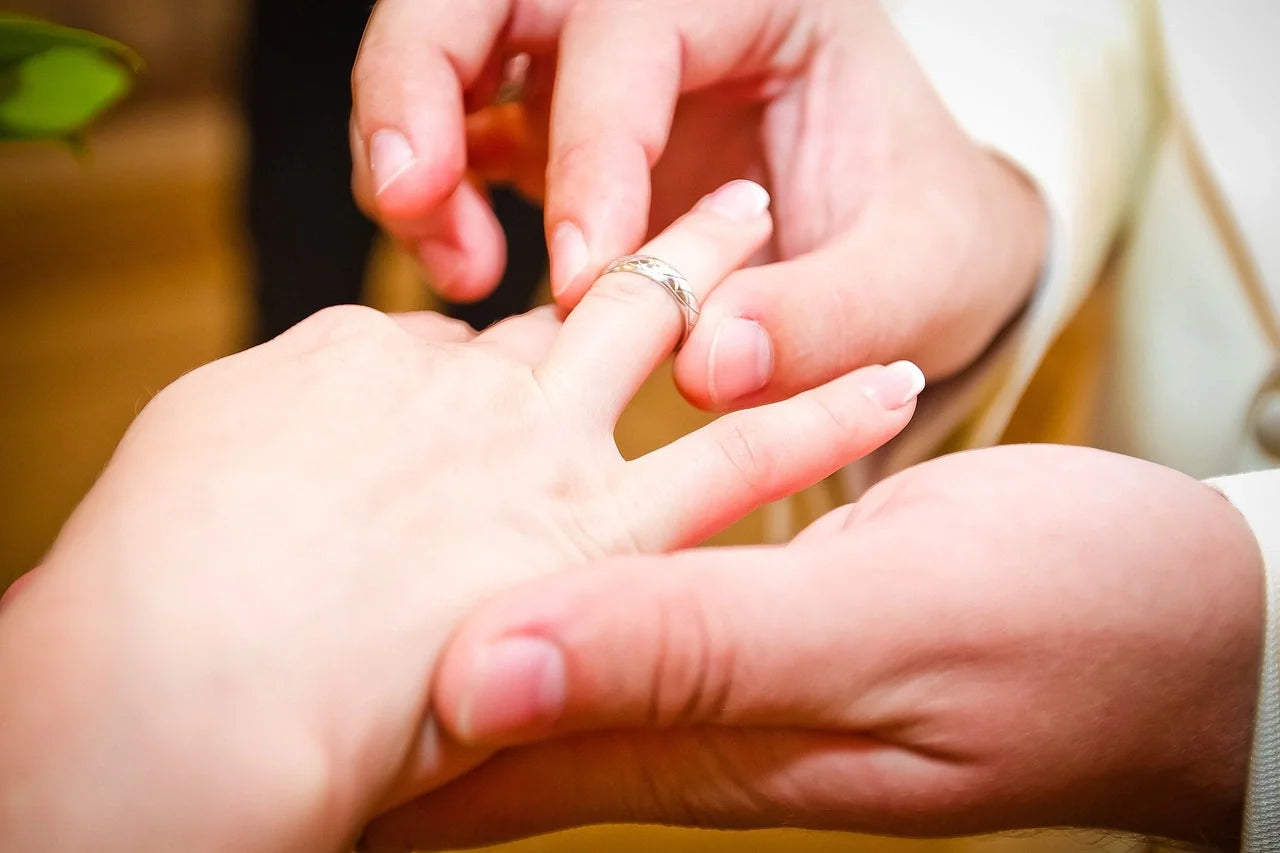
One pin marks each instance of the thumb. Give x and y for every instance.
(769, 332)
(736, 636)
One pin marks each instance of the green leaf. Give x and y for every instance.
(56, 80)
(21, 36)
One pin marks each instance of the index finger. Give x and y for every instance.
(417, 62)
(622, 67)
(407, 100)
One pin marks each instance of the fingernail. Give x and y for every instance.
(443, 264)
(518, 685)
(568, 256)
(741, 201)
(893, 386)
(740, 361)
(390, 155)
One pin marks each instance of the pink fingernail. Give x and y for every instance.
(893, 386)
(519, 684)
(740, 361)
(740, 201)
(390, 156)
(568, 256)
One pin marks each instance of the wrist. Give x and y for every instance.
(997, 265)
(112, 738)
(1198, 761)
(1027, 221)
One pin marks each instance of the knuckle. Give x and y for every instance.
(343, 324)
(743, 453)
(577, 158)
(837, 420)
(627, 289)
(693, 668)
(715, 786)
(655, 797)
(606, 151)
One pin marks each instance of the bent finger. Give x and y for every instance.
(727, 779)
(409, 138)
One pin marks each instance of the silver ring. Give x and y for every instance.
(662, 273)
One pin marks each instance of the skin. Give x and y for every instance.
(1019, 637)
(817, 99)
(230, 646)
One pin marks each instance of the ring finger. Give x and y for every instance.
(627, 324)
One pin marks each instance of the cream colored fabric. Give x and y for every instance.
(1257, 496)
(1064, 90)
(1162, 127)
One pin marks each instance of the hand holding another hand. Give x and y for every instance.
(897, 236)
(231, 644)
(1020, 637)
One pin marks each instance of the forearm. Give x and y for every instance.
(58, 766)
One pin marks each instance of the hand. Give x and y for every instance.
(1020, 637)
(230, 645)
(897, 237)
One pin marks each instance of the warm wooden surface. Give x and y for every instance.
(118, 275)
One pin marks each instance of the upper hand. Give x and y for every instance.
(897, 236)
(1021, 637)
(235, 632)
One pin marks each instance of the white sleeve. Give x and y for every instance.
(1257, 496)
(1066, 90)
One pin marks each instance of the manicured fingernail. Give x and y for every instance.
(738, 200)
(390, 156)
(443, 263)
(568, 256)
(740, 361)
(893, 386)
(518, 684)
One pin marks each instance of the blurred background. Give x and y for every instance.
(212, 210)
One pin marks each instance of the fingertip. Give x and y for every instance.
(463, 250)
(515, 689)
(444, 265)
(459, 275)
(569, 259)
(506, 675)
(597, 209)
(892, 387)
(738, 200)
(407, 187)
(728, 363)
(690, 370)
(463, 284)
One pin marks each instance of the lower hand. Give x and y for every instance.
(231, 643)
(1019, 637)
